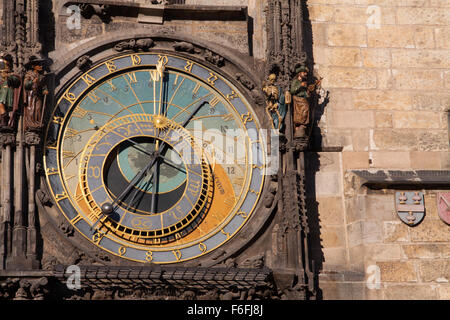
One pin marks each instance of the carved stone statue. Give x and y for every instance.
(35, 93)
(301, 92)
(9, 94)
(275, 102)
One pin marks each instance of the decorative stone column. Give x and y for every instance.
(32, 140)
(7, 141)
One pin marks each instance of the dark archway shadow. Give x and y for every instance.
(312, 161)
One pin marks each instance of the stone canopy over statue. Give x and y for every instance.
(9, 94)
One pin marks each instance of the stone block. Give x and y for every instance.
(425, 251)
(328, 184)
(442, 36)
(382, 252)
(410, 292)
(409, 79)
(433, 140)
(319, 31)
(334, 259)
(346, 35)
(379, 207)
(376, 58)
(355, 233)
(383, 119)
(360, 15)
(327, 161)
(423, 16)
(360, 140)
(425, 160)
(395, 231)
(341, 99)
(385, 79)
(330, 210)
(339, 57)
(382, 100)
(401, 140)
(430, 230)
(321, 13)
(435, 271)
(390, 160)
(402, 58)
(445, 160)
(397, 271)
(355, 160)
(351, 78)
(332, 236)
(443, 292)
(424, 37)
(372, 232)
(391, 36)
(430, 101)
(416, 119)
(352, 119)
(431, 203)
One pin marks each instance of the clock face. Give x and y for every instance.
(154, 157)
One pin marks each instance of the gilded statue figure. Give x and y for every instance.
(35, 93)
(301, 93)
(275, 102)
(9, 94)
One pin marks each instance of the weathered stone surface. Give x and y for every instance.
(435, 271)
(391, 160)
(352, 119)
(382, 100)
(355, 160)
(330, 210)
(397, 271)
(410, 292)
(395, 140)
(430, 230)
(426, 251)
(382, 252)
(346, 35)
(416, 119)
(395, 231)
(328, 184)
(443, 292)
(426, 160)
(379, 207)
(332, 236)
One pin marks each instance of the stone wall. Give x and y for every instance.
(387, 69)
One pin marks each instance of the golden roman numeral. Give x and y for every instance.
(69, 96)
(232, 95)
(227, 117)
(177, 254)
(79, 112)
(68, 154)
(214, 102)
(247, 117)
(93, 97)
(196, 89)
(188, 66)
(202, 247)
(57, 120)
(154, 75)
(111, 66)
(132, 77)
(212, 78)
(70, 133)
(88, 79)
(60, 196)
(135, 59)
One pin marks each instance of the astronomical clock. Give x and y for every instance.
(154, 157)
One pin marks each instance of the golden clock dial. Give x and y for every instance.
(155, 158)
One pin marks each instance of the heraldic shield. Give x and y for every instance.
(443, 199)
(410, 207)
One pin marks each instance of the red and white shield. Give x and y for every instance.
(443, 200)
